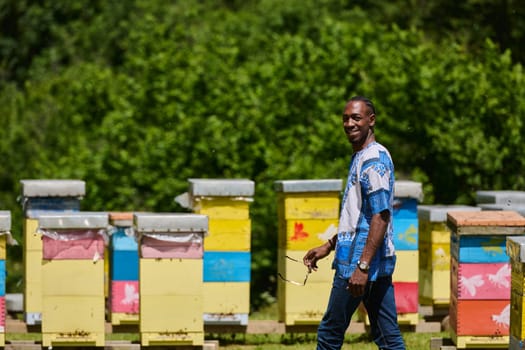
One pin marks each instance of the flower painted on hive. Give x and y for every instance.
(299, 232)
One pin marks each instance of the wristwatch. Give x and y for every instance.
(363, 266)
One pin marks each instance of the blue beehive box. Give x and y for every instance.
(125, 265)
(227, 266)
(407, 194)
(478, 249)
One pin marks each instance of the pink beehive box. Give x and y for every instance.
(2, 314)
(171, 235)
(125, 297)
(76, 235)
(74, 248)
(480, 281)
(157, 248)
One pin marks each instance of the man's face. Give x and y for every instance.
(357, 122)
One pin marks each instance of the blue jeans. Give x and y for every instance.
(380, 305)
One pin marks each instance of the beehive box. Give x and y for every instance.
(308, 215)
(123, 271)
(407, 195)
(39, 197)
(5, 228)
(73, 286)
(168, 284)
(434, 253)
(516, 251)
(478, 249)
(227, 248)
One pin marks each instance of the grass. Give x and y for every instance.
(413, 341)
(289, 341)
(305, 341)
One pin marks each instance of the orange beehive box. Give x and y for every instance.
(480, 317)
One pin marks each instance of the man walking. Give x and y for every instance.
(364, 251)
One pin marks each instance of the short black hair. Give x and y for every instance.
(366, 101)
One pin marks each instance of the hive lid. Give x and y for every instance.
(520, 208)
(438, 213)
(500, 197)
(170, 222)
(73, 220)
(486, 222)
(516, 248)
(298, 186)
(5, 220)
(53, 188)
(221, 187)
(122, 219)
(408, 189)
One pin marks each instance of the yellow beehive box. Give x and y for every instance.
(304, 234)
(72, 340)
(33, 266)
(308, 199)
(180, 338)
(517, 277)
(480, 342)
(171, 313)
(170, 277)
(33, 282)
(406, 266)
(515, 248)
(32, 272)
(303, 304)
(409, 318)
(221, 198)
(33, 298)
(120, 318)
(434, 253)
(32, 239)
(434, 288)
(106, 272)
(3, 240)
(224, 208)
(323, 205)
(226, 298)
(73, 315)
(72, 278)
(517, 322)
(228, 235)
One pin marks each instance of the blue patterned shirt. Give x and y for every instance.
(369, 190)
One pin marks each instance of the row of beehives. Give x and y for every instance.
(308, 213)
(167, 272)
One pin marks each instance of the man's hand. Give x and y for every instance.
(357, 283)
(313, 255)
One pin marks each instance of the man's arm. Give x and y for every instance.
(376, 235)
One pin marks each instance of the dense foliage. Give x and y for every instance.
(136, 97)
